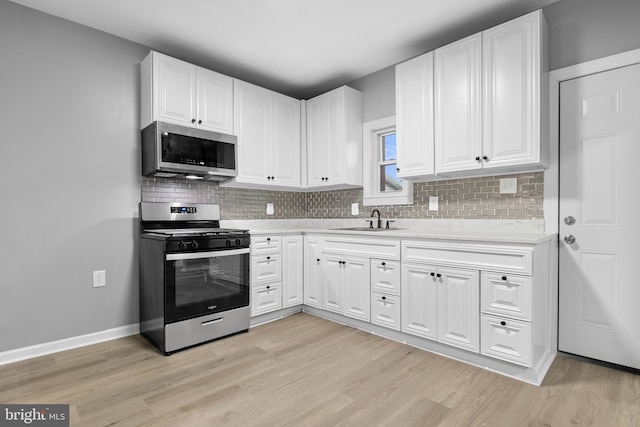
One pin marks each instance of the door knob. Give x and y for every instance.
(569, 239)
(569, 220)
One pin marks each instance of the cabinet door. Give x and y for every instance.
(415, 117)
(313, 272)
(214, 101)
(292, 271)
(336, 133)
(318, 151)
(284, 163)
(459, 308)
(332, 287)
(174, 91)
(357, 288)
(419, 300)
(511, 63)
(251, 109)
(458, 114)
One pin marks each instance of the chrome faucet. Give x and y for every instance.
(379, 220)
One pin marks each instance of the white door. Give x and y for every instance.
(599, 175)
(419, 300)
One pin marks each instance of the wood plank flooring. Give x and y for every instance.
(304, 370)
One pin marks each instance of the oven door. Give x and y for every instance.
(200, 283)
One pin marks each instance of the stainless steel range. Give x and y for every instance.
(194, 276)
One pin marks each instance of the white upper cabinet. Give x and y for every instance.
(177, 92)
(415, 117)
(267, 125)
(334, 139)
(458, 114)
(514, 58)
(489, 99)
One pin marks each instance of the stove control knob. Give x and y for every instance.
(182, 245)
(194, 244)
(238, 242)
(228, 242)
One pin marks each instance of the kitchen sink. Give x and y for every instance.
(365, 229)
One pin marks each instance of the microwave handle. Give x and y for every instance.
(202, 255)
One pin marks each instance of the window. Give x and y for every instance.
(381, 183)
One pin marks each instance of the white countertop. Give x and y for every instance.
(499, 231)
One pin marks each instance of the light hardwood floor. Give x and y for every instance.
(303, 370)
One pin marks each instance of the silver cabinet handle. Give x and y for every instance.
(569, 239)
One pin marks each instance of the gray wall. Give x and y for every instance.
(70, 184)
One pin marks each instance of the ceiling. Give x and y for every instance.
(297, 47)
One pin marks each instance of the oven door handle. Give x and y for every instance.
(202, 255)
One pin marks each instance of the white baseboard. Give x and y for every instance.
(67, 344)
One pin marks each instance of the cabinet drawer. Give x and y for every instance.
(265, 244)
(385, 276)
(266, 298)
(266, 268)
(503, 258)
(506, 295)
(385, 310)
(506, 339)
(374, 248)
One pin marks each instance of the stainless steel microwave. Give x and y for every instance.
(170, 150)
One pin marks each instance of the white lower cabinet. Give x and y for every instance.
(276, 272)
(346, 286)
(266, 298)
(419, 300)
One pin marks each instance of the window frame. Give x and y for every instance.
(371, 154)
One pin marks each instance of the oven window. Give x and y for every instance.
(206, 285)
(204, 279)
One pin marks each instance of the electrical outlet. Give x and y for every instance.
(508, 185)
(269, 208)
(354, 209)
(99, 278)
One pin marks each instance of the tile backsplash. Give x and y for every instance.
(468, 198)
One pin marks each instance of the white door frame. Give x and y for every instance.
(552, 174)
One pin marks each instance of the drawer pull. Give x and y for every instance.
(438, 275)
(268, 239)
(433, 274)
(211, 322)
(268, 287)
(318, 259)
(504, 278)
(384, 263)
(503, 323)
(268, 258)
(384, 298)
